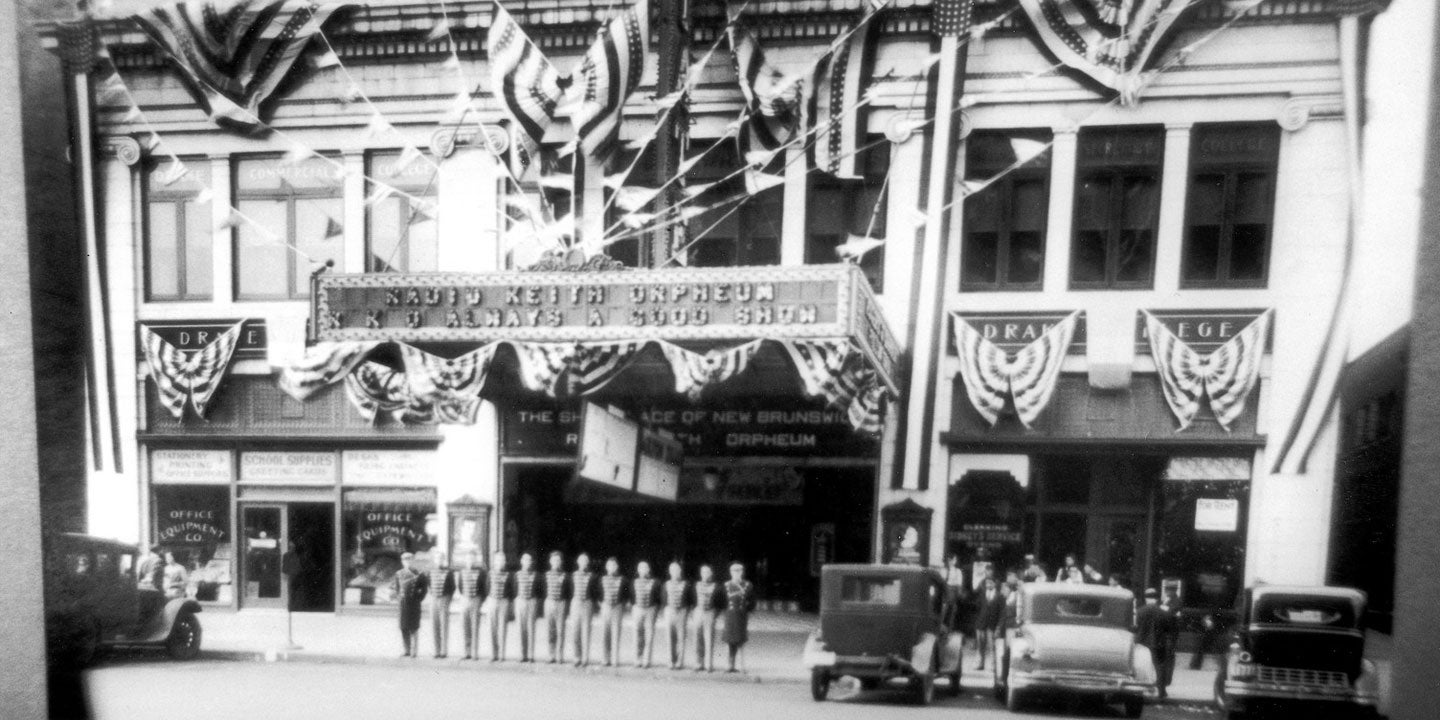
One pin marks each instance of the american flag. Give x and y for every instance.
(529, 87)
(194, 375)
(951, 18)
(835, 109)
(772, 99)
(1028, 379)
(609, 72)
(543, 365)
(1111, 41)
(1226, 375)
(232, 57)
(451, 386)
(594, 365)
(374, 388)
(694, 372)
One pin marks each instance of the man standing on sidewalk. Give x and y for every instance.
(442, 588)
(677, 615)
(585, 594)
(527, 605)
(1154, 628)
(555, 591)
(502, 593)
(409, 588)
(707, 608)
(647, 607)
(471, 582)
(613, 594)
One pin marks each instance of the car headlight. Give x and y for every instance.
(1240, 667)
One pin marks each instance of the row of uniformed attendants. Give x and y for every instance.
(570, 603)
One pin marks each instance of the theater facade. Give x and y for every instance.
(995, 302)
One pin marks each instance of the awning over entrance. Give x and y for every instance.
(571, 333)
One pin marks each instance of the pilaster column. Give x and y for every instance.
(1058, 222)
(1174, 184)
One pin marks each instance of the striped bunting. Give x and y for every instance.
(232, 58)
(992, 377)
(542, 365)
(1111, 41)
(195, 375)
(594, 365)
(1226, 375)
(323, 364)
(528, 85)
(451, 386)
(836, 112)
(772, 100)
(694, 372)
(832, 369)
(374, 388)
(607, 75)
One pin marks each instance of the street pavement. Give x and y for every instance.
(131, 687)
(771, 657)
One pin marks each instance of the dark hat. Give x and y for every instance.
(1152, 593)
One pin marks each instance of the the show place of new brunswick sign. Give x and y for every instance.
(683, 304)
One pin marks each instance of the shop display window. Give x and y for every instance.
(193, 522)
(379, 525)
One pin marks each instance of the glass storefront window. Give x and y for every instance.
(193, 522)
(379, 525)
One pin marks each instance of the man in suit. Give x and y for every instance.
(739, 603)
(502, 594)
(989, 616)
(528, 596)
(556, 587)
(472, 585)
(677, 603)
(708, 603)
(1156, 627)
(409, 587)
(442, 588)
(585, 597)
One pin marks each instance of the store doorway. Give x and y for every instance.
(269, 532)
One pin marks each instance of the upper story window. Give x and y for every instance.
(837, 209)
(294, 213)
(733, 232)
(1231, 205)
(179, 238)
(1117, 208)
(401, 234)
(1004, 246)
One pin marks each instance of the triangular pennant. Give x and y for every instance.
(333, 228)
(631, 198)
(324, 60)
(441, 29)
(174, 170)
(855, 247)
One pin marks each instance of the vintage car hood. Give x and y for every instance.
(1080, 647)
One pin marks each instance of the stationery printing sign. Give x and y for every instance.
(190, 467)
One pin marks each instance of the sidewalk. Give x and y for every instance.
(771, 656)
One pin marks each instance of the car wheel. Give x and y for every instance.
(184, 640)
(1013, 700)
(819, 683)
(1134, 706)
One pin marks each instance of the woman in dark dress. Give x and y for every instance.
(739, 602)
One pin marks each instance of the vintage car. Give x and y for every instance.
(1076, 640)
(880, 623)
(92, 600)
(1301, 649)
